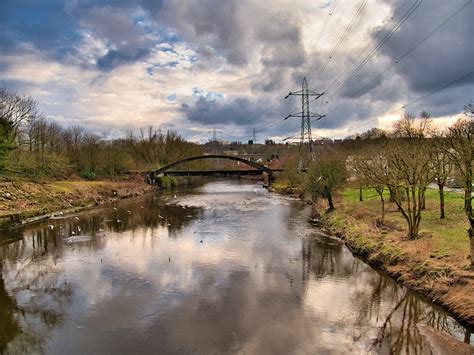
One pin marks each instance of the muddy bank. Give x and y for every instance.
(25, 201)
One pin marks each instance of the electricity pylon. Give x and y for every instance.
(214, 140)
(306, 115)
(254, 136)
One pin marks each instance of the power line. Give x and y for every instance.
(379, 35)
(444, 87)
(433, 92)
(398, 60)
(323, 28)
(342, 37)
(389, 35)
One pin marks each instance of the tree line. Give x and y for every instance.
(33, 146)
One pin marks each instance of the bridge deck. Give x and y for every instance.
(214, 173)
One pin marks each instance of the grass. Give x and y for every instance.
(440, 239)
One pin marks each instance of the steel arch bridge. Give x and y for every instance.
(259, 169)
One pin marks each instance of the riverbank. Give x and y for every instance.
(436, 265)
(23, 201)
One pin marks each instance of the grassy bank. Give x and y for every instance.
(22, 200)
(436, 264)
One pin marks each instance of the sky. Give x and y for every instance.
(114, 66)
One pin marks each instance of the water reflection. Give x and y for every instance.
(228, 268)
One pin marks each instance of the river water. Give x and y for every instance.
(225, 268)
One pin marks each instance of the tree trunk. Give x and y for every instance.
(413, 226)
(441, 201)
(391, 197)
(423, 201)
(467, 336)
(383, 207)
(329, 197)
(471, 240)
(468, 210)
(360, 194)
(411, 233)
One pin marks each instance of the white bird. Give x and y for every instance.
(101, 230)
(175, 196)
(160, 217)
(76, 218)
(60, 213)
(73, 233)
(141, 206)
(119, 220)
(115, 208)
(78, 228)
(129, 211)
(50, 226)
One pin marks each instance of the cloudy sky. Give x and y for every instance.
(192, 65)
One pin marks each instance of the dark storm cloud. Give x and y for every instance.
(213, 23)
(239, 111)
(446, 55)
(114, 58)
(446, 102)
(237, 31)
(127, 42)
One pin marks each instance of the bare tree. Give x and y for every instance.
(370, 165)
(15, 112)
(74, 137)
(443, 168)
(459, 147)
(408, 126)
(409, 170)
(328, 174)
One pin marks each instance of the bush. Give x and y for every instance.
(167, 181)
(325, 175)
(35, 165)
(88, 175)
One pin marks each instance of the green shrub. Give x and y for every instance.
(88, 174)
(167, 181)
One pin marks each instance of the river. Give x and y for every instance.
(224, 268)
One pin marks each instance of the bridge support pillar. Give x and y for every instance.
(271, 179)
(150, 178)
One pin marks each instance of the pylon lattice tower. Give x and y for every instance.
(254, 136)
(305, 155)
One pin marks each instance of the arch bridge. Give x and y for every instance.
(258, 169)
